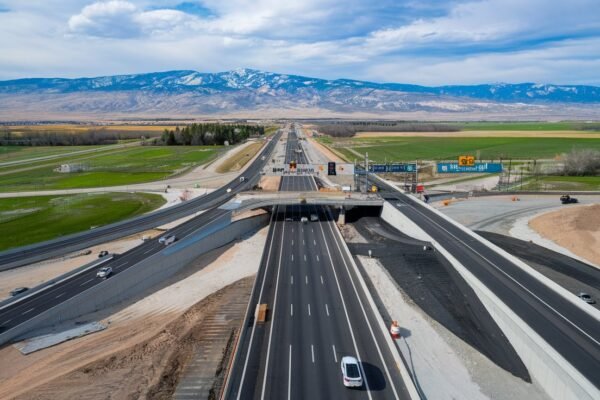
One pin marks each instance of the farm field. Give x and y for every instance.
(22, 153)
(567, 183)
(119, 167)
(487, 133)
(27, 220)
(529, 126)
(382, 149)
(239, 159)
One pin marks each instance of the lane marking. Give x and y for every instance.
(337, 281)
(120, 265)
(28, 311)
(336, 239)
(6, 322)
(259, 299)
(88, 281)
(273, 320)
(306, 279)
(305, 257)
(148, 251)
(334, 353)
(322, 282)
(292, 242)
(318, 257)
(312, 351)
(314, 242)
(464, 243)
(292, 280)
(327, 309)
(62, 294)
(291, 310)
(292, 257)
(309, 309)
(290, 375)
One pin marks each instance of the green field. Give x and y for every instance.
(119, 167)
(432, 148)
(19, 153)
(527, 126)
(568, 183)
(26, 220)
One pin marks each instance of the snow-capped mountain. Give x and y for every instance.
(192, 92)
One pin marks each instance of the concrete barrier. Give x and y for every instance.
(141, 276)
(555, 374)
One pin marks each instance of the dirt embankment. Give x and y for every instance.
(146, 370)
(574, 228)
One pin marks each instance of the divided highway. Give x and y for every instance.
(40, 251)
(318, 313)
(572, 332)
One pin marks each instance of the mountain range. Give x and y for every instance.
(250, 92)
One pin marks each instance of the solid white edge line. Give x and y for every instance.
(345, 311)
(290, 375)
(344, 255)
(404, 373)
(259, 299)
(262, 396)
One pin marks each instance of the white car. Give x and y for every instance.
(304, 220)
(351, 372)
(167, 239)
(314, 217)
(228, 190)
(104, 272)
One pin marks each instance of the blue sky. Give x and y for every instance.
(431, 42)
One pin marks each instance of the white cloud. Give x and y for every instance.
(433, 42)
(122, 19)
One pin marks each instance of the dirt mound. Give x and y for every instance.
(574, 228)
(149, 369)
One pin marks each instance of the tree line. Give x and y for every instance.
(349, 129)
(44, 138)
(209, 134)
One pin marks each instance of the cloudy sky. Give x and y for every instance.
(428, 42)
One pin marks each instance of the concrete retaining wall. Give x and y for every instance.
(559, 378)
(142, 276)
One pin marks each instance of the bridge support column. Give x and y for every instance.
(342, 216)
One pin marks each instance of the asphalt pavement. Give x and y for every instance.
(44, 250)
(571, 331)
(318, 313)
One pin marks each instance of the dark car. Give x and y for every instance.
(18, 290)
(586, 297)
(566, 199)
(103, 253)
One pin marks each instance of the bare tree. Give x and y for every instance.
(582, 162)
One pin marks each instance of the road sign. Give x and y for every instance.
(378, 168)
(445, 168)
(466, 161)
(310, 169)
(331, 168)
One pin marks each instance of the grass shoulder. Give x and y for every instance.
(27, 220)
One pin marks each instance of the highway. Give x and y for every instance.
(571, 331)
(20, 311)
(29, 305)
(318, 313)
(40, 251)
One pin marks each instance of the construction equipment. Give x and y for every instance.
(566, 199)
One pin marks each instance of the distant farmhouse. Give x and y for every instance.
(68, 168)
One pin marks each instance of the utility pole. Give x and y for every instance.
(366, 172)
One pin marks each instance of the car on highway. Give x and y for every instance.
(167, 239)
(304, 220)
(289, 219)
(314, 217)
(104, 272)
(586, 297)
(351, 372)
(228, 190)
(18, 290)
(103, 253)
